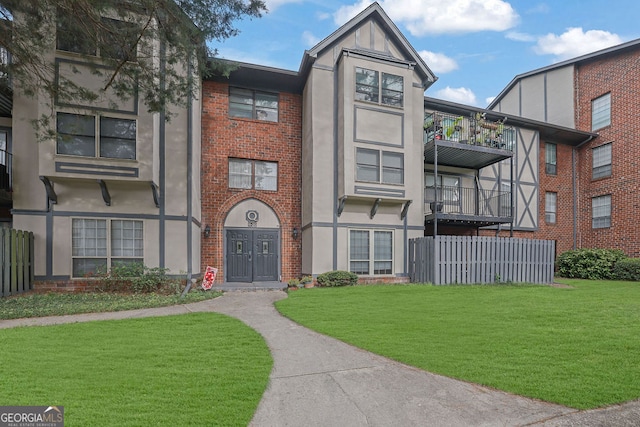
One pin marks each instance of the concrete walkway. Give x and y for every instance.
(319, 381)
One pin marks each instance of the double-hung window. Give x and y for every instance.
(256, 174)
(99, 244)
(370, 168)
(601, 161)
(601, 211)
(380, 88)
(96, 136)
(251, 104)
(551, 161)
(550, 207)
(371, 252)
(601, 112)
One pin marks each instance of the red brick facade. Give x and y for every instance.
(618, 75)
(225, 137)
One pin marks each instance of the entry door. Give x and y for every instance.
(252, 255)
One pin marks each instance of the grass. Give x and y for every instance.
(194, 369)
(58, 304)
(575, 346)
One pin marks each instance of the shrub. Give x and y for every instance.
(137, 278)
(593, 264)
(337, 278)
(293, 283)
(306, 279)
(627, 269)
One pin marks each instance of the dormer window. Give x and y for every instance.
(380, 88)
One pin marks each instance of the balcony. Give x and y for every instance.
(468, 206)
(5, 177)
(469, 142)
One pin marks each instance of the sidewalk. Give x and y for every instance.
(319, 381)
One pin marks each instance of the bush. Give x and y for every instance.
(137, 278)
(293, 283)
(593, 264)
(337, 278)
(627, 269)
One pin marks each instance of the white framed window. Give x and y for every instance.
(369, 168)
(448, 188)
(371, 252)
(99, 244)
(551, 158)
(380, 88)
(251, 104)
(95, 136)
(601, 211)
(550, 207)
(248, 174)
(601, 161)
(601, 112)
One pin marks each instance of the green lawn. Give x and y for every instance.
(193, 369)
(576, 346)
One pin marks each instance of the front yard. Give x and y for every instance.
(576, 346)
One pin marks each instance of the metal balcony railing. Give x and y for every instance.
(468, 201)
(472, 130)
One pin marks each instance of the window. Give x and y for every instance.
(601, 212)
(253, 105)
(93, 251)
(551, 161)
(601, 112)
(388, 91)
(550, 208)
(368, 166)
(113, 39)
(256, 174)
(601, 161)
(448, 188)
(363, 243)
(77, 136)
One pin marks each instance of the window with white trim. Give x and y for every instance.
(99, 244)
(550, 207)
(380, 88)
(601, 112)
(370, 169)
(601, 161)
(95, 136)
(601, 211)
(551, 159)
(251, 104)
(371, 252)
(248, 174)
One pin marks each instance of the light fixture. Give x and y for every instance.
(207, 231)
(295, 233)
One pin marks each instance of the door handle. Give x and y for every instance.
(249, 255)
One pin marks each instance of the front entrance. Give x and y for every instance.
(252, 255)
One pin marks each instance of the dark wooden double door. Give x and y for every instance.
(252, 255)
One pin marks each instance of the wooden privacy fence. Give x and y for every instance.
(446, 260)
(16, 261)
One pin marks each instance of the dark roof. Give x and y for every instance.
(254, 76)
(610, 51)
(548, 132)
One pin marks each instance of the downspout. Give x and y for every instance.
(189, 183)
(574, 161)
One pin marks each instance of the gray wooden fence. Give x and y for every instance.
(16, 261)
(445, 260)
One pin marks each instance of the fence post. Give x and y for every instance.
(4, 265)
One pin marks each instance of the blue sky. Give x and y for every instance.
(475, 47)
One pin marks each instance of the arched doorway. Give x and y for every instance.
(252, 243)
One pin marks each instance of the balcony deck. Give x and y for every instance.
(469, 142)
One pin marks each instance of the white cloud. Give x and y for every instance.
(460, 95)
(575, 42)
(489, 100)
(309, 39)
(274, 4)
(438, 62)
(520, 37)
(440, 16)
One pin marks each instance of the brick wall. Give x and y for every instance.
(619, 75)
(224, 137)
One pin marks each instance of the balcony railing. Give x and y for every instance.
(472, 130)
(468, 202)
(5, 171)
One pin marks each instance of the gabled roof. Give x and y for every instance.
(610, 51)
(376, 13)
